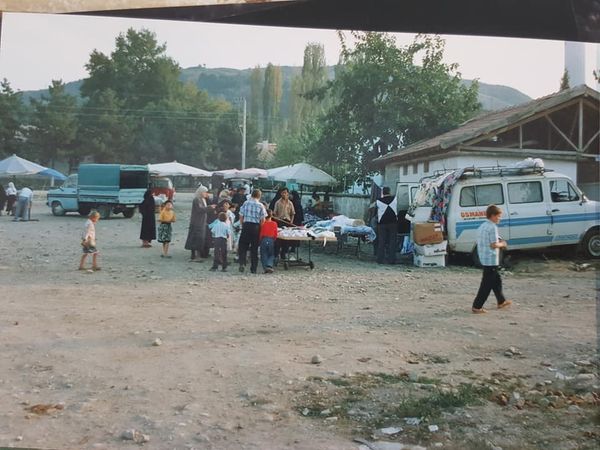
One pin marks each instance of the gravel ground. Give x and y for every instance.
(165, 354)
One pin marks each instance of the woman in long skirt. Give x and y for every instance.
(147, 208)
(196, 238)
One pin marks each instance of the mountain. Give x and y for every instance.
(231, 84)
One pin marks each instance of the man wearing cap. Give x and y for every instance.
(252, 215)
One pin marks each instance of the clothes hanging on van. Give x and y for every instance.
(443, 194)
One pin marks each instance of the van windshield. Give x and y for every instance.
(133, 179)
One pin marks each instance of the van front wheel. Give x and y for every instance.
(591, 244)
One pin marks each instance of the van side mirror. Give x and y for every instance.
(584, 199)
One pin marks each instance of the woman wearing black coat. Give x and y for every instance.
(148, 231)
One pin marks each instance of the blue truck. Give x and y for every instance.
(107, 188)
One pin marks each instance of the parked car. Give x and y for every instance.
(107, 188)
(162, 186)
(541, 209)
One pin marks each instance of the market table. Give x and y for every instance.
(287, 263)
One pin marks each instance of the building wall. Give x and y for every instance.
(412, 173)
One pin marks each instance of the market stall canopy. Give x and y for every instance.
(52, 173)
(250, 173)
(175, 169)
(14, 165)
(302, 173)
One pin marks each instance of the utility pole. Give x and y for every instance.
(243, 131)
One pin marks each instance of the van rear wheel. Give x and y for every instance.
(591, 244)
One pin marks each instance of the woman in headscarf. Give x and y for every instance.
(196, 238)
(11, 198)
(147, 208)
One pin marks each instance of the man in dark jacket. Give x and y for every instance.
(387, 227)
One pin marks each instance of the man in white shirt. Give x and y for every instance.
(24, 199)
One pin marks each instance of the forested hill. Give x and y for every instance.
(231, 84)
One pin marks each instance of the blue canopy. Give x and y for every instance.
(51, 173)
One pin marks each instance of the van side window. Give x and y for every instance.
(525, 192)
(562, 191)
(484, 195)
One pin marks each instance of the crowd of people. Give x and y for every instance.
(232, 221)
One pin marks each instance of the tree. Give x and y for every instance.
(54, 125)
(138, 70)
(564, 81)
(272, 92)
(305, 106)
(12, 114)
(104, 131)
(381, 96)
(256, 93)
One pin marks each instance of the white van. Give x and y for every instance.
(540, 209)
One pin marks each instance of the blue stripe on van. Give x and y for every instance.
(530, 240)
(473, 225)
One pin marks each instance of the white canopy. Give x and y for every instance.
(251, 172)
(301, 173)
(174, 169)
(13, 165)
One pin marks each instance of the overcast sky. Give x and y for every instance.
(37, 48)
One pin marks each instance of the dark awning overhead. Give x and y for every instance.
(571, 20)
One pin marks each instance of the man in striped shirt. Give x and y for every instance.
(488, 249)
(252, 215)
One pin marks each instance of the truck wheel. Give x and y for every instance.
(128, 213)
(104, 211)
(57, 209)
(84, 210)
(591, 243)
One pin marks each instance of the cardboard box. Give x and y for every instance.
(429, 261)
(427, 233)
(431, 249)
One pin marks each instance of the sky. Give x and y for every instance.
(37, 48)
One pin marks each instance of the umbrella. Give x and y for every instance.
(301, 173)
(251, 172)
(175, 169)
(51, 173)
(13, 165)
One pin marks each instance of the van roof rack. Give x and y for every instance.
(499, 171)
(488, 171)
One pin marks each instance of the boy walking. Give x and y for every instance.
(221, 232)
(268, 235)
(488, 249)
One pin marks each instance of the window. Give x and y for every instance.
(526, 192)
(70, 182)
(562, 191)
(426, 167)
(134, 179)
(484, 195)
(405, 170)
(416, 168)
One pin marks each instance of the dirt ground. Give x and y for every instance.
(234, 368)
